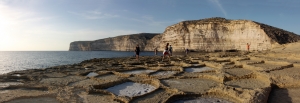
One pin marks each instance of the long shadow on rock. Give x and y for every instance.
(279, 95)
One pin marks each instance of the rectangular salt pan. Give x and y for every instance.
(198, 69)
(131, 89)
(164, 73)
(139, 71)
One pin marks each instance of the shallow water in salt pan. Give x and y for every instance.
(198, 69)
(164, 73)
(139, 71)
(131, 89)
(17, 75)
(92, 74)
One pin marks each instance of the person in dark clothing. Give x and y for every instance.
(137, 52)
(186, 51)
(170, 50)
(155, 51)
(166, 52)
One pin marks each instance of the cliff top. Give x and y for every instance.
(213, 19)
(146, 35)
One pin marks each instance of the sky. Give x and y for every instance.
(51, 25)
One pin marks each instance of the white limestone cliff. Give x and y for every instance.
(212, 34)
(216, 35)
(119, 43)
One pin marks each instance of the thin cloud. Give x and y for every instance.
(93, 14)
(219, 5)
(19, 18)
(149, 20)
(135, 17)
(92, 34)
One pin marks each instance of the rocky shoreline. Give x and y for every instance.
(238, 77)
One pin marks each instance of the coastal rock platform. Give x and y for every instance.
(227, 77)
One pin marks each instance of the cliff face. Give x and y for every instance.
(200, 35)
(80, 46)
(222, 34)
(119, 43)
(154, 43)
(279, 35)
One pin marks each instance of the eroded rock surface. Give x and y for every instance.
(235, 77)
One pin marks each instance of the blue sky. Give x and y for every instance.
(50, 25)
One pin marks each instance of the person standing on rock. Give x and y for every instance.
(171, 50)
(248, 47)
(155, 51)
(166, 52)
(137, 52)
(186, 51)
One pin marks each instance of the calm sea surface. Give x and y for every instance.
(22, 60)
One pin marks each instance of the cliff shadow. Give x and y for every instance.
(279, 95)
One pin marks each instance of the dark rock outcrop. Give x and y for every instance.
(279, 35)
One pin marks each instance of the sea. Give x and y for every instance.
(23, 60)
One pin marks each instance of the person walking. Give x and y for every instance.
(166, 52)
(171, 50)
(137, 52)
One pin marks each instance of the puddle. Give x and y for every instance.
(139, 72)
(35, 100)
(131, 89)
(164, 73)
(7, 84)
(203, 100)
(197, 69)
(92, 74)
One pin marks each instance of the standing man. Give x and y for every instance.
(171, 50)
(186, 51)
(248, 47)
(166, 52)
(137, 52)
(155, 51)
